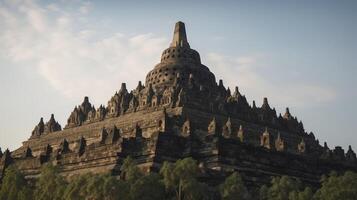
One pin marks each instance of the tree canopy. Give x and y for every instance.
(180, 178)
(233, 188)
(285, 188)
(338, 187)
(14, 186)
(50, 184)
(176, 181)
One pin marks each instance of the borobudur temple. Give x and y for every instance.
(181, 111)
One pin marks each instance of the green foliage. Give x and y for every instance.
(196, 190)
(233, 188)
(307, 194)
(115, 189)
(283, 188)
(148, 187)
(263, 193)
(180, 178)
(176, 181)
(14, 186)
(50, 184)
(25, 194)
(168, 177)
(338, 187)
(129, 171)
(96, 187)
(74, 189)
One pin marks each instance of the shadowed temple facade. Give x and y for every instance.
(181, 111)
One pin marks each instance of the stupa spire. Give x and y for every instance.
(180, 38)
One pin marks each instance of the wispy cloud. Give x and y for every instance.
(85, 7)
(78, 60)
(245, 72)
(75, 60)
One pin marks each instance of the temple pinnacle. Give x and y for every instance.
(179, 38)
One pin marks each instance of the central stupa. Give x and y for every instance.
(178, 63)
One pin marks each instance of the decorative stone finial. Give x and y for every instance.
(220, 83)
(123, 89)
(85, 107)
(325, 145)
(6, 158)
(287, 114)
(265, 139)
(123, 86)
(212, 127)
(7, 152)
(81, 146)
(39, 129)
(265, 100)
(139, 87)
(228, 92)
(236, 93)
(86, 99)
(28, 152)
(279, 143)
(180, 38)
(351, 155)
(265, 103)
(52, 125)
(339, 153)
(64, 146)
(227, 129)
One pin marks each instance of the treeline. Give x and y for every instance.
(175, 181)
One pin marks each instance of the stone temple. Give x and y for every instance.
(181, 111)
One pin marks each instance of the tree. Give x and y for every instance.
(263, 193)
(104, 186)
(180, 178)
(129, 171)
(14, 186)
(283, 188)
(148, 187)
(96, 187)
(196, 190)
(50, 184)
(338, 187)
(233, 188)
(93, 187)
(307, 194)
(115, 189)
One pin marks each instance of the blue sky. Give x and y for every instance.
(299, 54)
